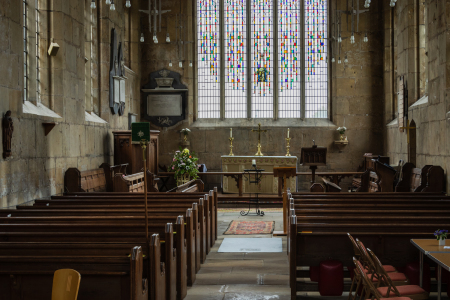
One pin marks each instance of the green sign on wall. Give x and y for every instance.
(140, 132)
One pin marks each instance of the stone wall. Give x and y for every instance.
(356, 97)
(431, 118)
(36, 168)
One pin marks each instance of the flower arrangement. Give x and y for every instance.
(342, 130)
(441, 234)
(185, 131)
(184, 164)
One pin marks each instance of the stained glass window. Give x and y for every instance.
(249, 49)
(316, 69)
(262, 58)
(235, 59)
(208, 59)
(289, 53)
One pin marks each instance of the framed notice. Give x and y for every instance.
(164, 105)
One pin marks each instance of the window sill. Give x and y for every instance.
(393, 123)
(92, 117)
(39, 109)
(215, 123)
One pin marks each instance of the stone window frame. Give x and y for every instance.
(32, 62)
(274, 121)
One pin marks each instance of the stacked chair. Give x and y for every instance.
(372, 280)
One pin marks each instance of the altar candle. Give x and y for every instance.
(288, 132)
(253, 162)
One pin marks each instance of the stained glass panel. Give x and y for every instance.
(289, 53)
(316, 70)
(262, 58)
(235, 59)
(208, 59)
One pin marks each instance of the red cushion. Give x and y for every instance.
(331, 278)
(394, 277)
(389, 268)
(404, 290)
(412, 271)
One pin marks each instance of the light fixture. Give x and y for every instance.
(128, 4)
(339, 38)
(155, 38)
(93, 4)
(392, 3)
(167, 38)
(190, 63)
(346, 59)
(180, 64)
(108, 2)
(352, 38)
(142, 37)
(339, 60)
(366, 39)
(170, 63)
(112, 7)
(333, 60)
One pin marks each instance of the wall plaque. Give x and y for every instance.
(164, 105)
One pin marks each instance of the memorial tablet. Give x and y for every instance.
(164, 105)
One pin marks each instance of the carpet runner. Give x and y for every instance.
(250, 227)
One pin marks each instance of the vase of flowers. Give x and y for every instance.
(184, 164)
(441, 235)
(185, 131)
(341, 131)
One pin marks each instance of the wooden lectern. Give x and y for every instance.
(284, 174)
(314, 157)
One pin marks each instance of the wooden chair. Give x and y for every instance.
(369, 289)
(66, 283)
(388, 288)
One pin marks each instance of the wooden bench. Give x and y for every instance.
(104, 232)
(109, 271)
(189, 187)
(212, 202)
(385, 222)
(129, 183)
(428, 179)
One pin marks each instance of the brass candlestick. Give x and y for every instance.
(288, 140)
(231, 146)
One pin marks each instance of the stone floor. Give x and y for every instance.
(248, 276)
(227, 276)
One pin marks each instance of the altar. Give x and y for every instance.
(268, 184)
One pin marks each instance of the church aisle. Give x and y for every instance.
(227, 276)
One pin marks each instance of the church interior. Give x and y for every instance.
(225, 149)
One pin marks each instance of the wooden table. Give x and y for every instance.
(431, 248)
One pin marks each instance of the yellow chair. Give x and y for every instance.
(65, 284)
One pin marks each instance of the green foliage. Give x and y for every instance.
(184, 162)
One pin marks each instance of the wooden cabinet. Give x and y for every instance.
(127, 152)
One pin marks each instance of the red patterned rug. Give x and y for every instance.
(250, 227)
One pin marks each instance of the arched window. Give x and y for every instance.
(262, 59)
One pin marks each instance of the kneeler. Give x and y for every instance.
(331, 278)
(412, 271)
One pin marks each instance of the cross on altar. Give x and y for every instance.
(259, 139)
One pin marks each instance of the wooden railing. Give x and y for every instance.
(334, 177)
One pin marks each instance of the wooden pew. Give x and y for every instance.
(85, 181)
(195, 185)
(428, 179)
(112, 232)
(110, 171)
(27, 270)
(137, 221)
(194, 250)
(385, 222)
(129, 183)
(211, 205)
